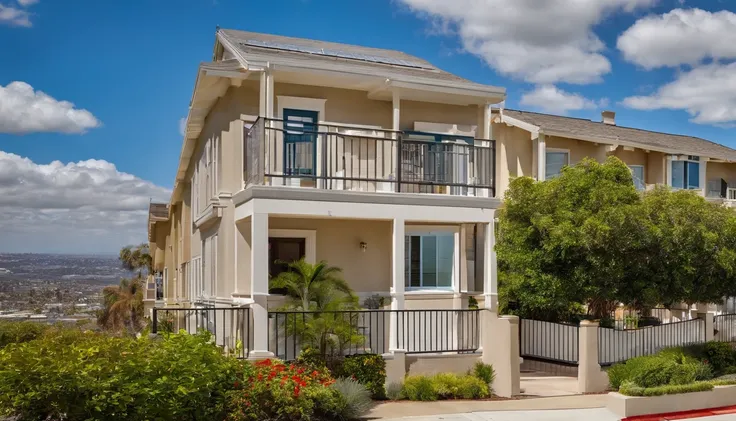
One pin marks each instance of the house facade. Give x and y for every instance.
(539, 145)
(372, 160)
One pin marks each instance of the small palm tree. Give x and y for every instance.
(123, 306)
(313, 286)
(137, 258)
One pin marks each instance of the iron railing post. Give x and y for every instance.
(154, 326)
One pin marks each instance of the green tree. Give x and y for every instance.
(136, 258)
(122, 307)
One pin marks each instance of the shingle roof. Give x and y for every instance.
(158, 211)
(582, 128)
(428, 70)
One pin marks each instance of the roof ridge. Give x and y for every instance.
(625, 127)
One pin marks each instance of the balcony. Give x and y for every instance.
(353, 158)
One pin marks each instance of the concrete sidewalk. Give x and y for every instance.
(397, 410)
(597, 414)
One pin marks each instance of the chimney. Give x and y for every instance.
(608, 117)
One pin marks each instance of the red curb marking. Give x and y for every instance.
(684, 415)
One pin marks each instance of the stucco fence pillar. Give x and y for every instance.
(500, 343)
(591, 378)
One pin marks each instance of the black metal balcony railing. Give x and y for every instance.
(229, 326)
(359, 159)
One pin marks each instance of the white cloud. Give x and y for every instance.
(680, 37)
(74, 207)
(542, 42)
(26, 3)
(183, 126)
(707, 93)
(14, 17)
(23, 110)
(551, 99)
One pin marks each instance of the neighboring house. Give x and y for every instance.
(159, 230)
(372, 160)
(539, 145)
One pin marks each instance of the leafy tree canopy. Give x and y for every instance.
(587, 237)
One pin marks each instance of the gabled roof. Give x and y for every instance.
(277, 47)
(595, 131)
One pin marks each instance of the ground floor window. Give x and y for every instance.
(281, 251)
(429, 260)
(637, 172)
(555, 160)
(686, 174)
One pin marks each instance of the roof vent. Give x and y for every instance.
(608, 117)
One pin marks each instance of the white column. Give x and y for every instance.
(487, 126)
(541, 158)
(262, 106)
(395, 125)
(490, 281)
(259, 284)
(668, 170)
(397, 284)
(703, 176)
(397, 110)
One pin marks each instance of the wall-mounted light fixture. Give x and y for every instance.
(363, 246)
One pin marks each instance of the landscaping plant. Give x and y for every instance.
(444, 386)
(368, 370)
(354, 399)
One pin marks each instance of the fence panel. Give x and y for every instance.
(620, 345)
(725, 327)
(432, 331)
(230, 326)
(548, 341)
(368, 331)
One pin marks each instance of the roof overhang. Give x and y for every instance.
(536, 131)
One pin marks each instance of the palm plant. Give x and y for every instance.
(123, 306)
(137, 258)
(313, 287)
(320, 290)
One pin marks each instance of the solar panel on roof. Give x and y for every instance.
(335, 53)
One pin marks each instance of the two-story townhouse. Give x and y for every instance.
(539, 145)
(372, 160)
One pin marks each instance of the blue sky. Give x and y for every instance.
(131, 65)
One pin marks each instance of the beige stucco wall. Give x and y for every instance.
(413, 111)
(721, 170)
(579, 149)
(338, 243)
(655, 168)
(433, 364)
(514, 155)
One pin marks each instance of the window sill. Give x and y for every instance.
(211, 212)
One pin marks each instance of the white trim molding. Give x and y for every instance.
(301, 103)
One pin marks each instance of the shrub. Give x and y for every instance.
(471, 387)
(419, 388)
(654, 371)
(311, 359)
(355, 399)
(74, 375)
(719, 355)
(446, 385)
(271, 390)
(484, 372)
(18, 332)
(618, 373)
(369, 370)
(394, 391)
(630, 389)
(703, 371)
(683, 373)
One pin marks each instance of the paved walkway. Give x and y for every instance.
(538, 385)
(397, 410)
(596, 414)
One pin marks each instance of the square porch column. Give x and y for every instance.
(541, 158)
(397, 285)
(490, 275)
(259, 285)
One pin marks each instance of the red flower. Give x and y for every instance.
(296, 391)
(236, 384)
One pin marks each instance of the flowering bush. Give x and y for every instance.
(275, 391)
(368, 370)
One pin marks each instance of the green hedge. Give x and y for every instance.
(444, 386)
(74, 375)
(669, 367)
(368, 370)
(631, 389)
(19, 332)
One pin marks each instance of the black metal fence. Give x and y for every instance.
(359, 159)
(549, 342)
(725, 327)
(230, 326)
(615, 345)
(369, 331)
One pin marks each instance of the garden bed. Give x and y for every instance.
(629, 406)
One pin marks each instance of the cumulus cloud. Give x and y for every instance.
(14, 17)
(551, 99)
(74, 207)
(680, 37)
(23, 110)
(707, 93)
(542, 42)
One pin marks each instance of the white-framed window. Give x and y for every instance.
(194, 205)
(164, 285)
(209, 265)
(195, 279)
(555, 159)
(637, 173)
(686, 173)
(205, 177)
(183, 281)
(429, 259)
